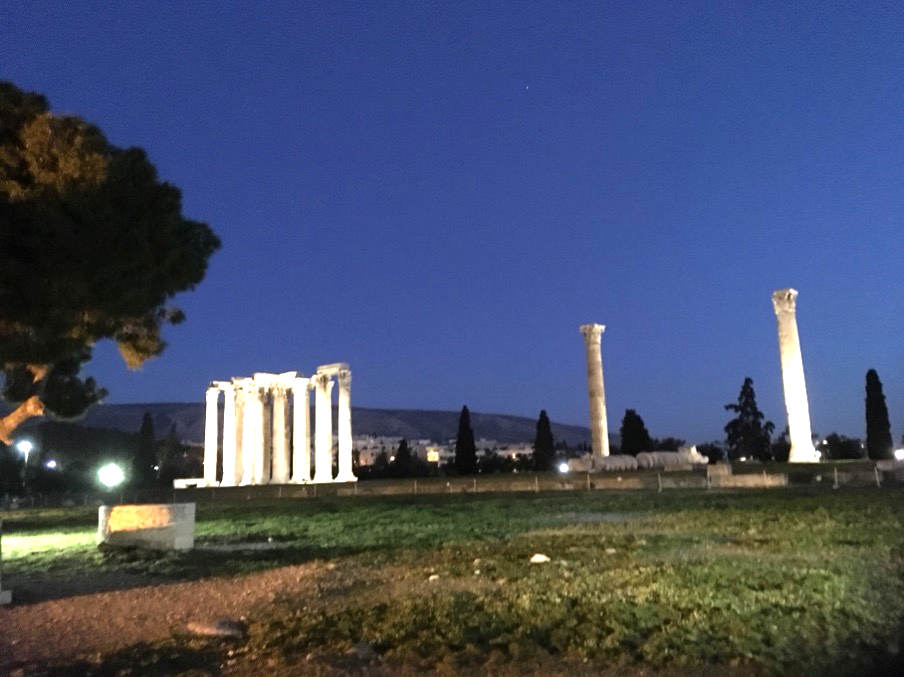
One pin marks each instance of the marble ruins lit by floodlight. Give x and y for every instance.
(599, 426)
(784, 302)
(259, 444)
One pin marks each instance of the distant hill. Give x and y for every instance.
(188, 418)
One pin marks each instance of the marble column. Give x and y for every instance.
(252, 440)
(264, 462)
(784, 302)
(599, 426)
(211, 436)
(229, 437)
(323, 428)
(239, 430)
(301, 431)
(346, 474)
(280, 436)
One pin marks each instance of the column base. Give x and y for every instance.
(803, 455)
(322, 480)
(345, 478)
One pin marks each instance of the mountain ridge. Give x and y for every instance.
(436, 425)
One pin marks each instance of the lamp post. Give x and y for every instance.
(25, 448)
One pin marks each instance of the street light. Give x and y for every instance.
(24, 447)
(110, 475)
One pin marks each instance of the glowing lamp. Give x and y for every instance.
(899, 454)
(110, 475)
(563, 467)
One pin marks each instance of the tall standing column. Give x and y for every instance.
(252, 439)
(346, 474)
(323, 429)
(301, 431)
(280, 436)
(784, 302)
(599, 425)
(264, 462)
(240, 397)
(211, 439)
(229, 437)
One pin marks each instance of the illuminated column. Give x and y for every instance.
(280, 436)
(264, 461)
(802, 451)
(599, 426)
(229, 436)
(301, 431)
(323, 428)
(252, 441)
(239, 430)
(344, 376)
(211, 441)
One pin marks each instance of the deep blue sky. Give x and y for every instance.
(440, 193)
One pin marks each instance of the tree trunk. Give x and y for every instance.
(29, 408)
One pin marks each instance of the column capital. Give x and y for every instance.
(213, 391)
(784, 300)
(592, 332)
(344, 376)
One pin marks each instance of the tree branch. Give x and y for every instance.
(28, 409)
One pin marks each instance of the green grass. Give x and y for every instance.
(804, 581)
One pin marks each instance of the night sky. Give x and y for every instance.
(440, 193)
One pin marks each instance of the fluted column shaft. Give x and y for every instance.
(784, 302)
(252, 439)
(229, 438)
(344, 423)
(323, 429)
(301, 431)
(280, 437)
(599, 425)
(211, 435)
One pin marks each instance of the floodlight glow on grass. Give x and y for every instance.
(110, 475)
(563, 467)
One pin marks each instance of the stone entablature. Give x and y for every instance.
(255, 445)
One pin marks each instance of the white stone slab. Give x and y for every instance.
(165, 526)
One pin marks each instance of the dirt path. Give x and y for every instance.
(83, 626)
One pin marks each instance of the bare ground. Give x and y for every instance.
(84, 626)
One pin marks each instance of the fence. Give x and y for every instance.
(648, 480)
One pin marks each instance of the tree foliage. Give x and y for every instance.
(465, 449)
(92, 246)
(544, 443)
(836, 447)
(878, 428)
(747, 434)
(634, 435)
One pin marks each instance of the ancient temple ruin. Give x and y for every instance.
(264, 435)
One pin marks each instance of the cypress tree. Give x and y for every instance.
(465, 449)
(544, 444)
(143, 471)
(747, 434)
(634, 435)
(878, 429)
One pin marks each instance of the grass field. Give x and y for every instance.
(802, 581)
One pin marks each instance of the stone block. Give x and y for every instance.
(164, 526)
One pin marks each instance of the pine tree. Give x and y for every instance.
(92, 246)
(878, 428)
(634, 435)
(747, 434)
(402, 464)
(544, 444)
(143, 470)
(465, 449)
